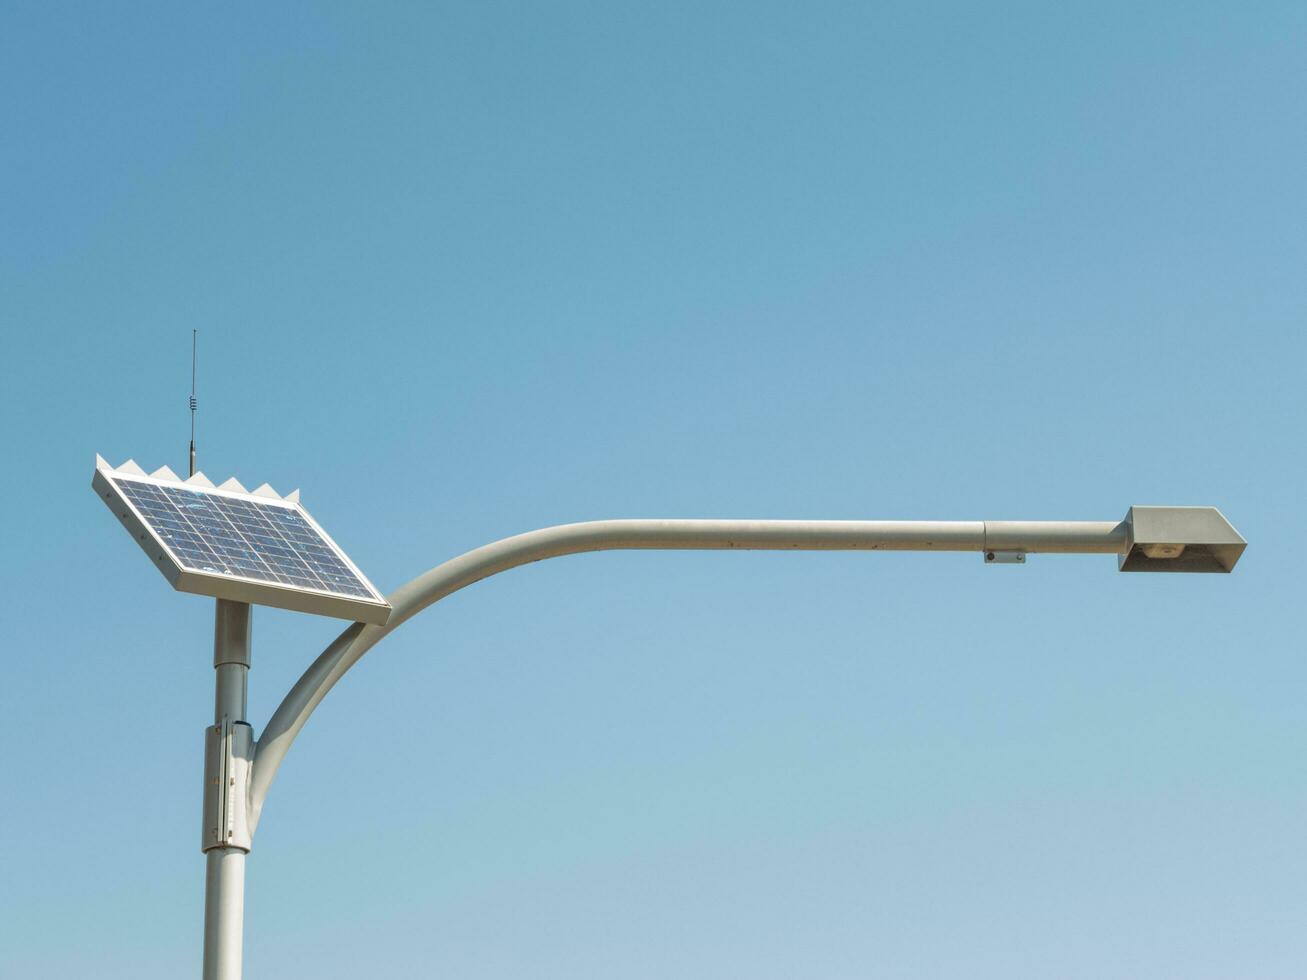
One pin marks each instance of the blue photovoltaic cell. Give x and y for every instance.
(208, 532)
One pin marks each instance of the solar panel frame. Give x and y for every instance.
(183, 575)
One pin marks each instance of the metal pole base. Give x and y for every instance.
(224, 912)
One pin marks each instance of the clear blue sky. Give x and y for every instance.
(464, 270)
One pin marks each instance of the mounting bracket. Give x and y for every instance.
(228, 756)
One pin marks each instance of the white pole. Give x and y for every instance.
(224, 888)
(1059, 537)
(224, 912)
(258, 764)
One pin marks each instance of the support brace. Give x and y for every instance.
(1005, 557)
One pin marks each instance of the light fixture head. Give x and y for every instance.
(1180, 539)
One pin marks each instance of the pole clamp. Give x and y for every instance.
(228, 757)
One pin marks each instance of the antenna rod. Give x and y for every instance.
(193, 402)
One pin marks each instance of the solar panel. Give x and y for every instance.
(229, 543)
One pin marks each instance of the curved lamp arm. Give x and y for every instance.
(1080, 537)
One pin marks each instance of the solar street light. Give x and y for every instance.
(259, 547)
